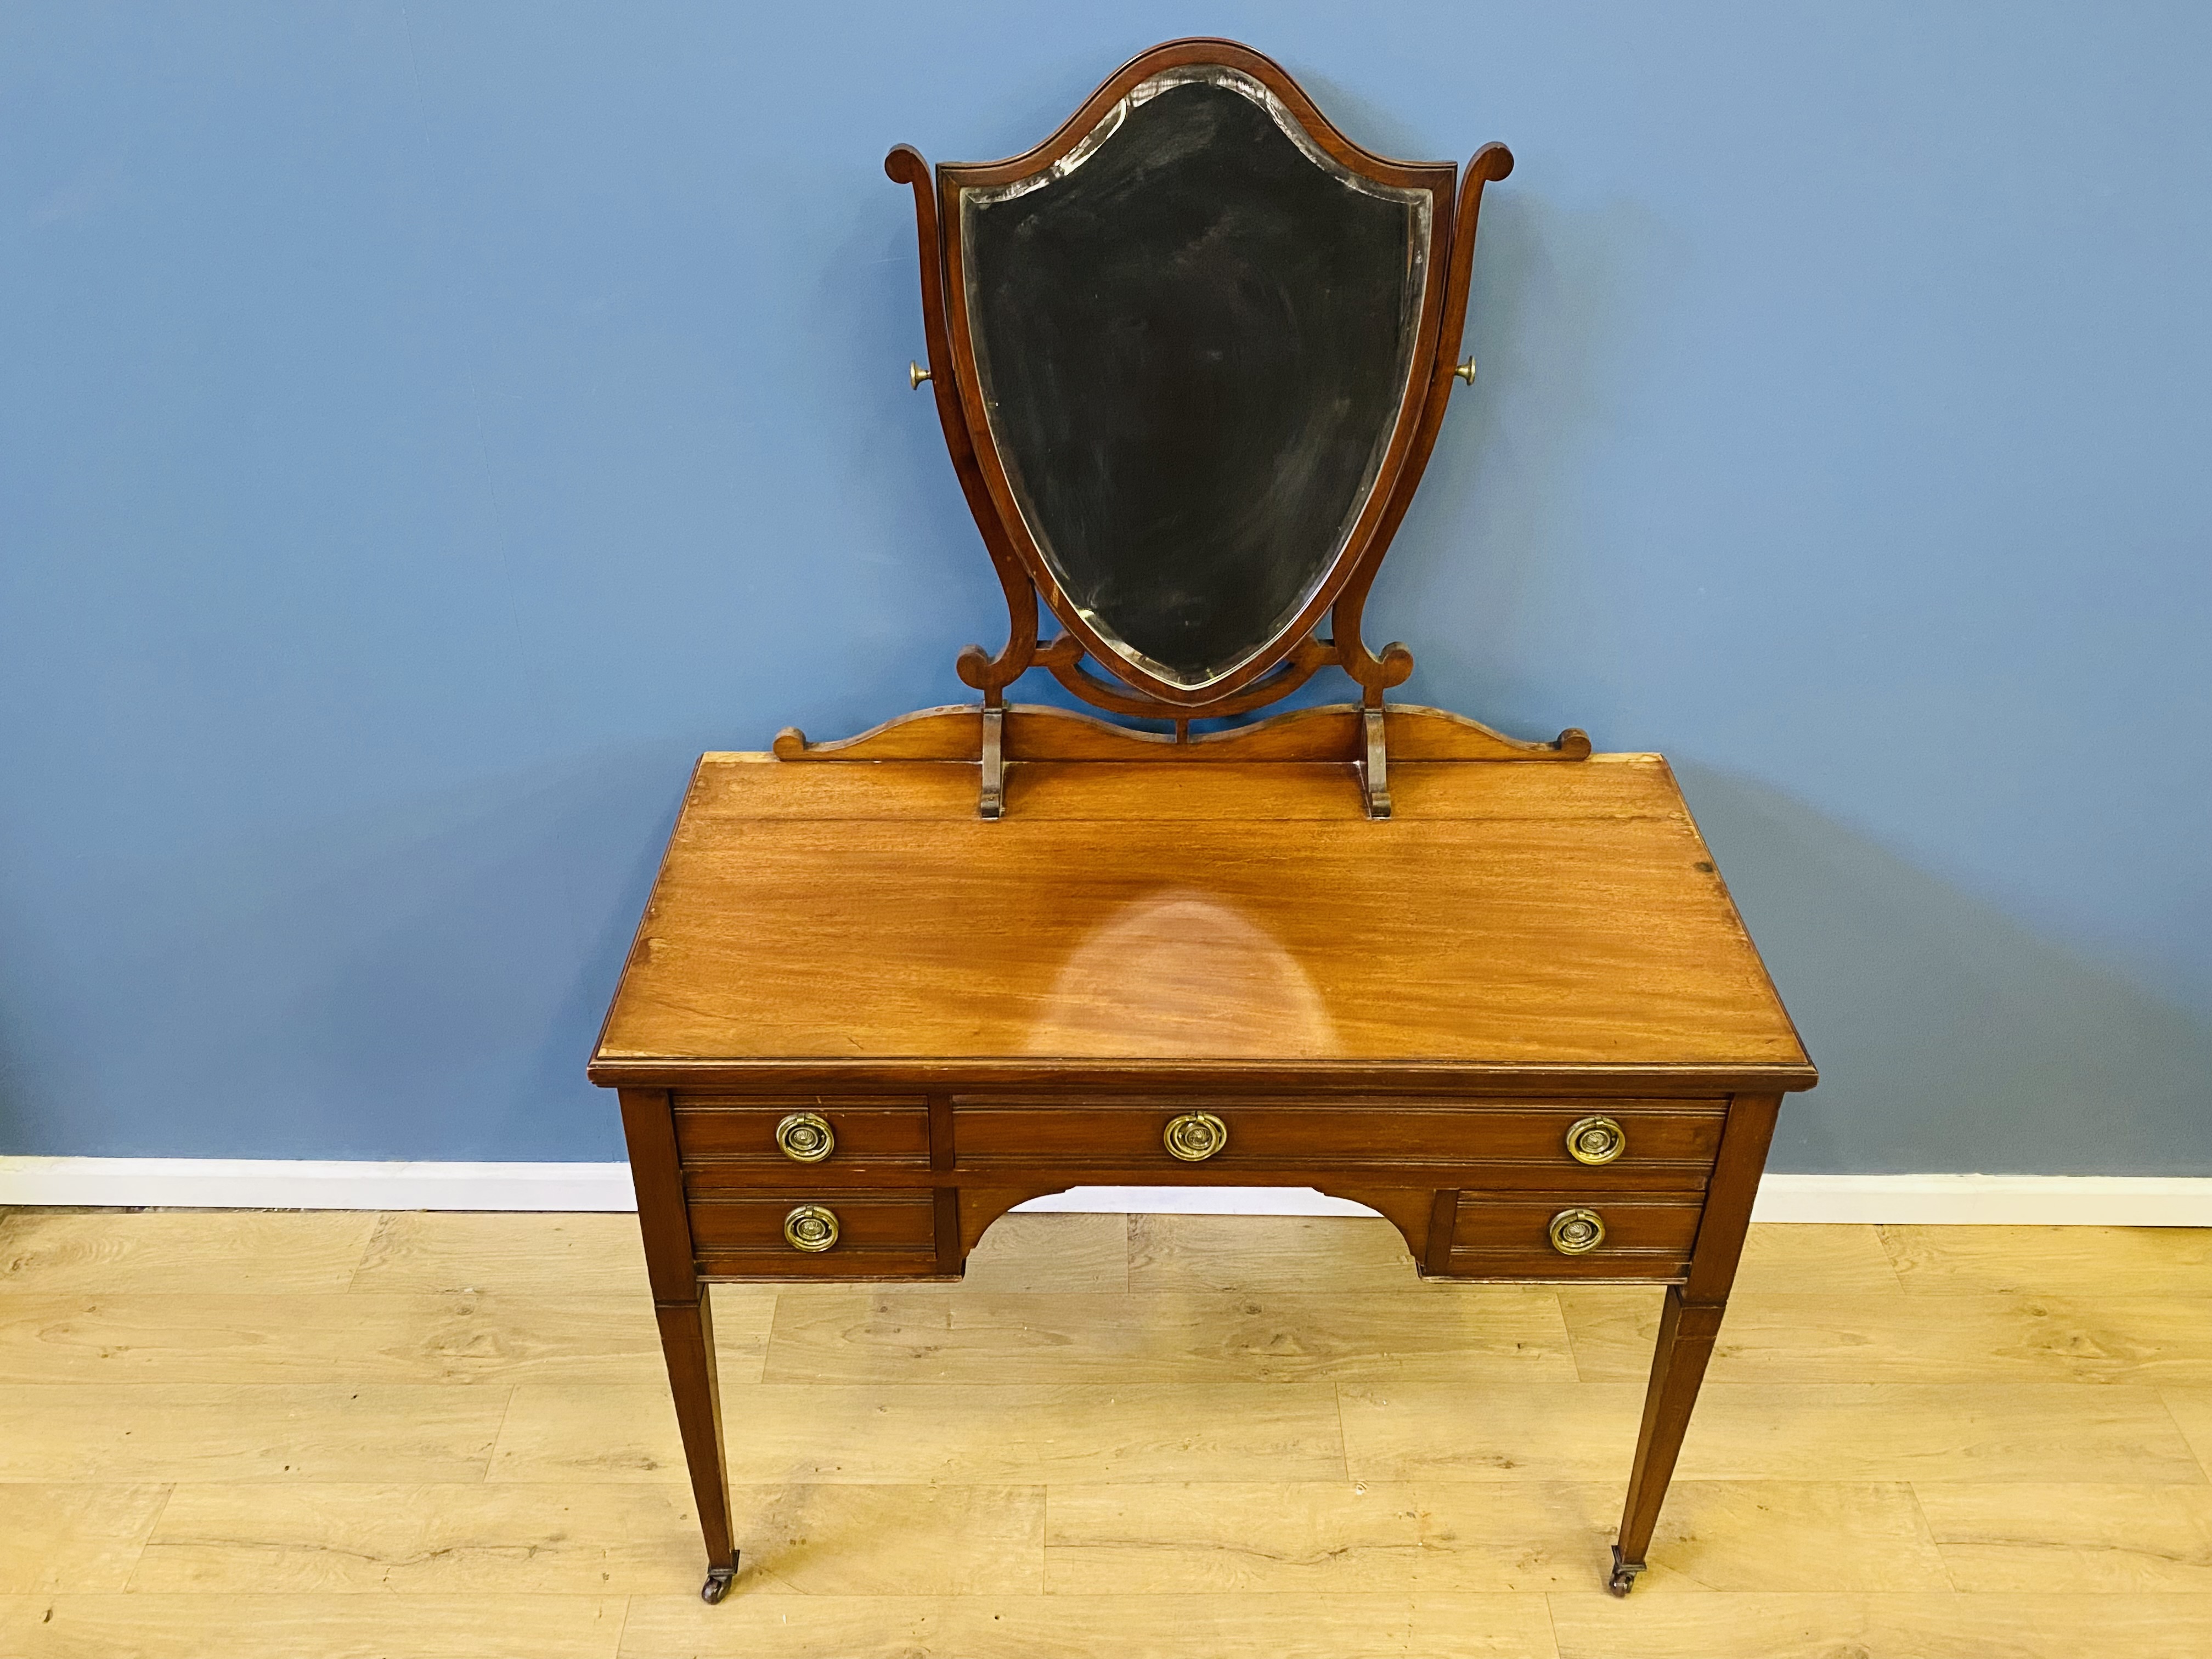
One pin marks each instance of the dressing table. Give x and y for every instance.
(1189, 356)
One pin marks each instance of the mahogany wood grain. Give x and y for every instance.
(656, 1175)
(1635, 1223)
(1735, 1185)
(848, 1267)
(1679, 1359)
(721, 1129)
(1444, 1221)
(725, 1224)
(1688, 1325)
(1666, 1145)
(1375, 671)
(687, 1343)
(1468, 933)
(717, 1178)
(1407, 1014)
(1407, 1011)
(988, 672)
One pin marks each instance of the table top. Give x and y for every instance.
(1133, 918)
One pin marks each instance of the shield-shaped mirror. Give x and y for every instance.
(1190, 355)
(1194, 335)
(1192, 338)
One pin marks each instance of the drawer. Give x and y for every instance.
(732, 1139)
(1507, 1235)
(1667, 1143)
(879, 1235)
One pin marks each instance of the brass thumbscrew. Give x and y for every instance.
(915, 375)
(1466, 371)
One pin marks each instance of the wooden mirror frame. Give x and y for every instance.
(1295, 653)
(1298, 651)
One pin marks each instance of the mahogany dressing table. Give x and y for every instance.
(886, 988)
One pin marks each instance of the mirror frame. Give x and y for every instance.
(1296, 652)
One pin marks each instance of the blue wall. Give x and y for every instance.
(426, 428)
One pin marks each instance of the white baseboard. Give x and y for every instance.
(1988, 1200)
(253, 1183)
(302, 1184)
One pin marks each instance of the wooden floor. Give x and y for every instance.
(249, 1434)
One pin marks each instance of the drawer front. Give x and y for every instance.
(1508, 1234)
(1668, 1144)
(731, 1140)
(879, 1235)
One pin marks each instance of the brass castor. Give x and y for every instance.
(717, 1585)
(1623, 1576)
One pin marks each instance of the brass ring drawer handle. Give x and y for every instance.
(811, 1228)
(1195, 1136)
(1596, 1140)
(805, 1137)
(1576, 1232)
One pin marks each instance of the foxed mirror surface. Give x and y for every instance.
(1193, 336)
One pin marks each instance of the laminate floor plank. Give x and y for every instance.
(1994, 1431)
(555, 1255)
(1051, 1251)
(1196, 1627)
(256, 1435)
(1470, 1334)
(107, 1432)
(299, 1537)
(1851, 1432)
(2191, 1411)
(510, 1538)
(1725, 1535)
(1894, 1338)
(1356, 1253)
(73, 1537)
(1913, 1626)
(1420, 1430)
(1802, 1258)
(229, 1338)
(1004, 1434)
(110, 1251)
(311, 1626)
(2091, 1539)
(1232, 1537)
(2060, 1261)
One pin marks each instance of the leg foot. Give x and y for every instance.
(1623, 1579)
(717, 1585)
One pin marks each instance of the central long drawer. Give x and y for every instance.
(1668, 1144)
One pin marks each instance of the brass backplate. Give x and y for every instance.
(1194, 1136)
(805, 1137)
(1596, 1140)
(811, 1228)
(1576, 1232)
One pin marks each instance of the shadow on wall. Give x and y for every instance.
(1504, 539)
(1947, 1033)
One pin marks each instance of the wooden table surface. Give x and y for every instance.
(1509, 917)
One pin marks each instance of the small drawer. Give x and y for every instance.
(734, 1132)
(1509, 1235)
(742, 1235)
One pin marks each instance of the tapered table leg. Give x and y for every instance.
(1686, 1331)
(686, 1318)
(687, 1339)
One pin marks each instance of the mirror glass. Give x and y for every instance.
(1193, 335)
